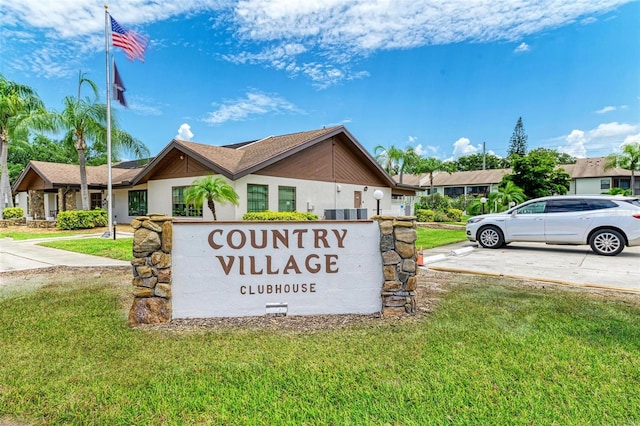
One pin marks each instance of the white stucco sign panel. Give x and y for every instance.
(245, 268)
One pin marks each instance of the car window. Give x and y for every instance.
(532, 208)
(566, 205)
(601, 204)
(635, 202)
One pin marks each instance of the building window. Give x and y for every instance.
(454, 191)
(179, 208)
(605, 184)
(96, 200)
(286, 199)
(137, 203)
(257, 198)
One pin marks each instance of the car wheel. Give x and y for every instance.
(606, 242)
(490, 237)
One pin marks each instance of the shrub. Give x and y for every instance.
(287, 216)
(434, 202)
(82, 219)
(424, 215)
(13, 213)
(455, 215)
(441, 216)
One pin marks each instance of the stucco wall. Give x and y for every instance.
(321, 195)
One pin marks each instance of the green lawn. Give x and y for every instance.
(492, 352)
(121, 248)
(432, 237)
(21, 235)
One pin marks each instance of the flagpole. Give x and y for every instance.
(108, 76)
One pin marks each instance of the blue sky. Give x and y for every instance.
(440, 76)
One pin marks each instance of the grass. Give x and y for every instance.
(435, 237)
(492, 352)
(120, 248)
(54, 233)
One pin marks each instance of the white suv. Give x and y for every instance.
(606, 223)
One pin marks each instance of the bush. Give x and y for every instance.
(424, 215)
(13, 213)
(287, 216)
(82, 219)
(441, 216)
(455, 215)
(433, 202)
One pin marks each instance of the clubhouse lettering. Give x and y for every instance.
(275, 239)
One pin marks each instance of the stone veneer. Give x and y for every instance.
(152, 245)
(397, 246)
(36, 204)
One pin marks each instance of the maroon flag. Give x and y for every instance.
(118, 87)
(131, 42)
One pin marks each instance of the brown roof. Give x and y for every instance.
(593, 167)
(473, 177)
(59, 175)
(237, 160)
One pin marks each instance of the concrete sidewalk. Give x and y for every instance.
(27, 254)
(567, 265)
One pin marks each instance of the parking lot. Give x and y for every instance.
(567, 265)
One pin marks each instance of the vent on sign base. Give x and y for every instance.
(277, 309)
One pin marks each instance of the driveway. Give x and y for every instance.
(567, 265)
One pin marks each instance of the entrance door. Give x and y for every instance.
(357, 199)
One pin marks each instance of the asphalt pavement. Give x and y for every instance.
(27, 254)
(560, 264)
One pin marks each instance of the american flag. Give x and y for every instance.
(131, 42)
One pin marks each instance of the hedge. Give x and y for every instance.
(288, 216)
(13, 213)
(82, 219)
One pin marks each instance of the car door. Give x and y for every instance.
(526, 223)
(567, 221)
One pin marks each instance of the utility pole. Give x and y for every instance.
(484, 155)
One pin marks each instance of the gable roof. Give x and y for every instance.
(583, 168)
(593, 168)
(237, 160)
(57, 175)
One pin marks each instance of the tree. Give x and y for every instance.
(628, 159)
(388, 157)
(506, 194)
(518, 141)
(213, 190)
(431, 165)
(537, 174)
(40, 148)
(474, 162)
(407, 162)
(84, 120)
(17, 103)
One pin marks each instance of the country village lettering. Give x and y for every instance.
(302, 238)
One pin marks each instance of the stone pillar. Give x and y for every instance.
(152, 245)
(69, 201)
(397, 246)
(36, 204)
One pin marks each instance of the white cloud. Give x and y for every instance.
(606, 109)
(463, 147)
(522, 47)
(630, 139)
(600, 141)
(575, 145)
(184, 132)
(318, 39)
(255, 103)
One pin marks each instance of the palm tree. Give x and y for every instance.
(84, 120)
(431, 166)
(628, 159)
(213, 190)
(17, 103)
(388, 157)
(502, 198)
